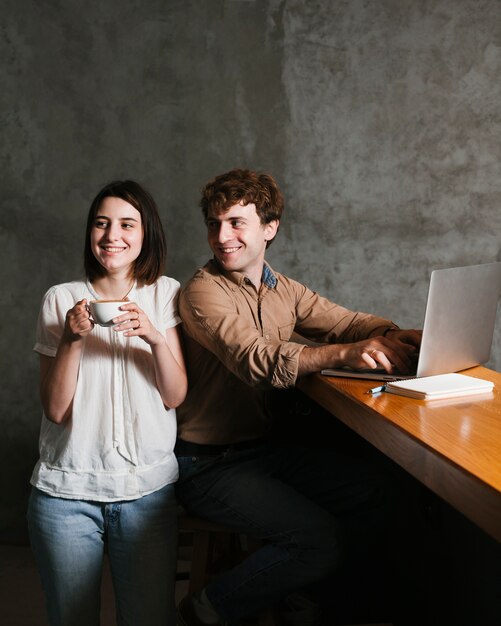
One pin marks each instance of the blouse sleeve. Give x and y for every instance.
(169, 294)
(50, 326)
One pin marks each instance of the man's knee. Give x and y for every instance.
(319, 549)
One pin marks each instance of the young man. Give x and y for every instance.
(239, 316)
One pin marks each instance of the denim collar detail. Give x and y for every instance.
(268, 278)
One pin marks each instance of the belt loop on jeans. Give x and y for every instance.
(188, 448)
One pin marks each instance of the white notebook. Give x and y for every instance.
(439, 386)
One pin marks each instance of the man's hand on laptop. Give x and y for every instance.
(410, 336)
(393, 352)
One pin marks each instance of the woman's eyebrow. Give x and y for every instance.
(121, 219)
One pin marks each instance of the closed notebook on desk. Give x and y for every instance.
(440, 386)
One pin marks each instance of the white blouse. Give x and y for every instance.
(118, 443)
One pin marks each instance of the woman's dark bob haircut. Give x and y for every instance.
(149, 265)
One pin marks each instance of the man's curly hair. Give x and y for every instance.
(245, 187)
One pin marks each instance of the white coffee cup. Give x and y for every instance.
(103, 311)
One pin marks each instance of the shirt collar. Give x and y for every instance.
(268, 277)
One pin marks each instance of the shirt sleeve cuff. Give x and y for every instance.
(287, 366)
(383, 330)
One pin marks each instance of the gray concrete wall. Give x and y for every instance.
(380, 119)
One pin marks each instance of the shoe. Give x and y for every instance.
(300, 611)
(186, 615)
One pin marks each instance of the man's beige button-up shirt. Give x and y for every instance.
(238, 346)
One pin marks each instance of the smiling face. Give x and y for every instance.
(238, 239)
(116, 236)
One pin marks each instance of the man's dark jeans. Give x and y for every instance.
(314, 510)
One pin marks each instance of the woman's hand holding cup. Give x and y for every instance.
(78, 322)
(135, 323)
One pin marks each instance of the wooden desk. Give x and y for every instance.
(452, 446)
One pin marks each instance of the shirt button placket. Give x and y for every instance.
(117, 405)
(132, 480)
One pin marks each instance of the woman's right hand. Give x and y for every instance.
(78, 322)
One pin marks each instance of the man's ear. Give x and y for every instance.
(270, 229)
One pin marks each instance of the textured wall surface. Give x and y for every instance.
(380, 119)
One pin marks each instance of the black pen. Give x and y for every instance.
(377, 389)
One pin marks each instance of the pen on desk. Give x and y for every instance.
(377, 389)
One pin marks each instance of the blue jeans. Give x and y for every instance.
(68, 539)
(313, 510)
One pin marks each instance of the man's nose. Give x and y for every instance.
(225, 232)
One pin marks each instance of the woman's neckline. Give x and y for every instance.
(101, 296)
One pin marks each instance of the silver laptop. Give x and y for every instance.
(458, 326)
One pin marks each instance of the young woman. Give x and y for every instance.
(107, 469)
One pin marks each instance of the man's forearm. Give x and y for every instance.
(314, 359)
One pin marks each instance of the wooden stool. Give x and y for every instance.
(216, 548)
